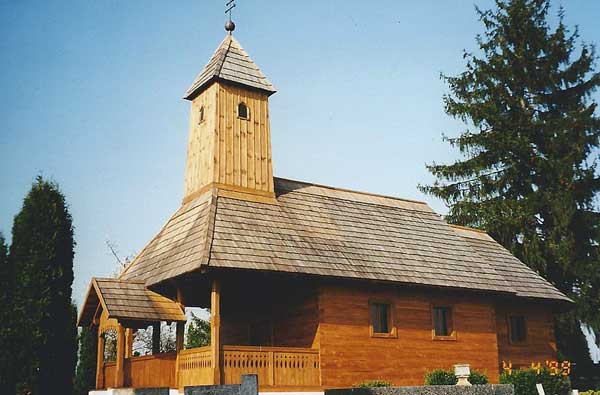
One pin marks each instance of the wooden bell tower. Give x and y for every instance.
(229, 142)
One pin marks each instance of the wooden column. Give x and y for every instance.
(155, 338)
(120, 359)
(100, 361)
(128, 342)
(180, 330)
(215, 329)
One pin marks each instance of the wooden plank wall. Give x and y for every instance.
(540, 345)
(350, 355)
(200, 161)
(226, 149)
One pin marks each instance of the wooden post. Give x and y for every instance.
(120, 374)
(180, 330)
(100, 361)
(180, 325)
(215, 329)
(128, 342)
(155, 338)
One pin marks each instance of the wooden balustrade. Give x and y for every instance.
(110, 371)
(194, 367)
(151, 371)
(275, 366)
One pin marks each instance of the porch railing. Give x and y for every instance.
(151, 371)
(110, 371)
(194, 367)
(275, 366)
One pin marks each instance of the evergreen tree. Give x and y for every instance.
(527, 174)
(42, 252)
(198, 333)
(7, 278)
(85, 376)
(73, 347)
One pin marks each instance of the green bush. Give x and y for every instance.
(447, 377)
(590, 392)
(374, 383)
(478, 378)
(526, 379)
(440, 377)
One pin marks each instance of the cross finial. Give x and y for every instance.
(229, 25)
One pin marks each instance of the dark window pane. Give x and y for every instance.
(201, 115)
(380, 317)
(242, 110)
(518, 330)
(442, 321)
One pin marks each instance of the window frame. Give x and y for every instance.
(452, 329)
(247, 117)
(392, 333)
(510, 332)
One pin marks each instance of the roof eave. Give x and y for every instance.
(193, 93)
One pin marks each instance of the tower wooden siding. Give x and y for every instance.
(225, 150)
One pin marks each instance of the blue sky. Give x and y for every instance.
(91, 97)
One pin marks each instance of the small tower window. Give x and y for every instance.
(243, 111)
(201, 115)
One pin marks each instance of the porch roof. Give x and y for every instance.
(127, 301)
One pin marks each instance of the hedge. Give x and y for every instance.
(525, 380)
(447, 377)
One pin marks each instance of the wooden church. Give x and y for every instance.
(308, 286)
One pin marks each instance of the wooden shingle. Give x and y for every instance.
(525, 281)
(331, 232)
(230, 62)
(128, 301)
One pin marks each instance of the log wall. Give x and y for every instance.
(349, 354)
(540, 345)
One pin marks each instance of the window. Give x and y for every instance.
(382, 324)
(442, 321)
(243, 111)
(517, 329)
(201, 115)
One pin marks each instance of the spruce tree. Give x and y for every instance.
(527, 173)
(7, 333)
(42, 252)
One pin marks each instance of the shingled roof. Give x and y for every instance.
(525, 281)
(230, 62)
(324, 231)
(128, 300)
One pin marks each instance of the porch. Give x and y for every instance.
(278, 368)
(270, 331)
